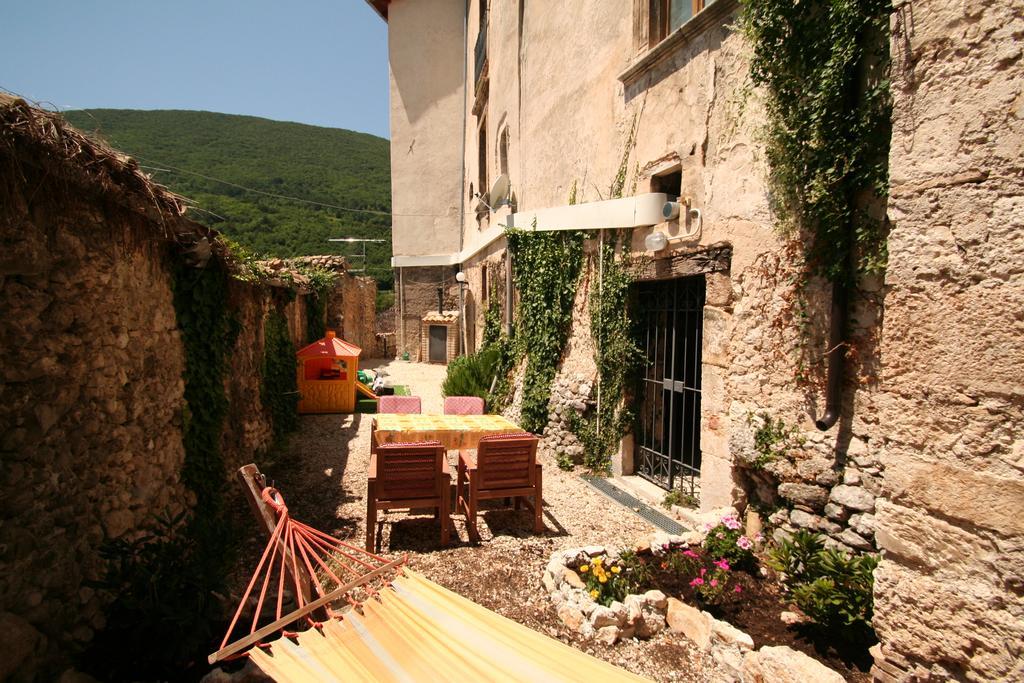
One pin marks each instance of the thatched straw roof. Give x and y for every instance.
(29, 135)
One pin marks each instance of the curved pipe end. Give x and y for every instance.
(826, 421)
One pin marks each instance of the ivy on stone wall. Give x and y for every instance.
(320, 283)
(546, 271)
(279, 390)
(823, 68)
(163, 582)
(208, 334)
(616, 356)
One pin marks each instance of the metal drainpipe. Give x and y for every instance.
(600, 292)
(401, 310)
(462, 173)
(836, 357)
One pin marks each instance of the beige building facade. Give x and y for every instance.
(926, 461)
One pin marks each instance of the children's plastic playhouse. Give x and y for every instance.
(327, 376)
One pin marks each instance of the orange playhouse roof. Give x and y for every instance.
(329, 347)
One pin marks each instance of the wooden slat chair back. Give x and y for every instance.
(406, 476)
(506, 463)
(504, 466)
(406, 471)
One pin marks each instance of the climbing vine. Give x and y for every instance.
(163, 581)
(616, 356)
(279, 391)
(823, 69)
(547, 269)
(208, 333)
(320, 283)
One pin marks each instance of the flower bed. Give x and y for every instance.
(702, 585)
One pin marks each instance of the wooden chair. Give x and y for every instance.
(504, 466)
(408, 476)
(406, 405)
(463, 405)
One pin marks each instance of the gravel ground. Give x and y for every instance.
(323, 478)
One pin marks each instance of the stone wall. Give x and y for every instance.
(352, 312)
(417, 296)
(90, 411)
(948, 423)
(91, 388)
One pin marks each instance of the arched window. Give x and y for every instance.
(503, 151)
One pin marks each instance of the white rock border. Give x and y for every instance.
(645, 615)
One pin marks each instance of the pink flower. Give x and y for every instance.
(719, 535)
(703, 571)
(722, 564)
(759, 538)
(731, 523)
(737, 589)
(714, 582)
(744, 543)
(690, 553)
(697, 582)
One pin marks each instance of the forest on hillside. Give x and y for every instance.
(209, 158)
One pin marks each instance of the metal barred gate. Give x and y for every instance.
(670, 317)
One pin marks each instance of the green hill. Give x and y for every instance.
(326, 165)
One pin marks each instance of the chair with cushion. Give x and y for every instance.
(408, 476)
(463, 405)
(504, 466)
(407, 405)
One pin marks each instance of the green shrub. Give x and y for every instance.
(565, 462)
(833, 588)
(163, 611)
(471, 375)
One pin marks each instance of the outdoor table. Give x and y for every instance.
(453, 431)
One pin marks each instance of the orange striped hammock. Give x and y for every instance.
(405, 629)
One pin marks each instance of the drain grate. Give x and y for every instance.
(663, 522)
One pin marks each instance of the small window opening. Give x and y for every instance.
(482, 156)
(669, 182)
(503, 151)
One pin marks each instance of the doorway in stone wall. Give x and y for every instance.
(437, 347)
(670, 320)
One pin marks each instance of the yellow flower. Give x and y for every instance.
(584, 568)
(616, 570)
(594, 593)
(598, 560)
(603, 579)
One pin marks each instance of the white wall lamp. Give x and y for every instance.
(657, 241)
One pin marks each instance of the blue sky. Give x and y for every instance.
(322, 62)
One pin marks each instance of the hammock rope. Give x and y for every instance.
(299, 551)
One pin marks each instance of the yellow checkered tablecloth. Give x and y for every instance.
(454, 431)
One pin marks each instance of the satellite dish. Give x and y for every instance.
(499, 192)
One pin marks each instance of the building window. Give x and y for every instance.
(670, 182)
(483, 283)
(482, 157)
(503, 151)
(668, 15)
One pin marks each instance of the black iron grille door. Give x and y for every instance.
(670, 322)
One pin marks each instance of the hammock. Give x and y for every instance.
(394, 625)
